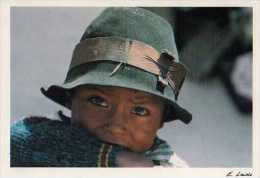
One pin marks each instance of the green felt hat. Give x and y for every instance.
(131, 48)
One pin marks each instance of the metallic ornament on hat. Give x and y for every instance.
(171, 72)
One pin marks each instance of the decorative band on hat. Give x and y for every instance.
(134, 53)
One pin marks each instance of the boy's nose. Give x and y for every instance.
(118, 118)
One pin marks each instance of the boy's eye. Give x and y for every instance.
(99, 101)
(139, 110)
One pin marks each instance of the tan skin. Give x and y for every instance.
(120, 116)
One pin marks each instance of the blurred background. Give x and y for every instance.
(214, 43)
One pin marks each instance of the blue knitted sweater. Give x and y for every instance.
(42, 142)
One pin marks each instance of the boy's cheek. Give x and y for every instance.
(141, 139)
(86, 121)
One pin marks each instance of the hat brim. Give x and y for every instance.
(128, 77)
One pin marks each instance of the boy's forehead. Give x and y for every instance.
(114, 89)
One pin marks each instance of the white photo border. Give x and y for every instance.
(6, 171)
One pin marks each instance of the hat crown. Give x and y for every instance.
(136, 24)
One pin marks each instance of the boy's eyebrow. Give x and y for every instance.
(142, 97)
(102, 90)
(97, 88)
(138, 97)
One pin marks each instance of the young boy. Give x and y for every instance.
(122, 85)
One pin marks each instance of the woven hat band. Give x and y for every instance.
(115, 49)
(131, 52)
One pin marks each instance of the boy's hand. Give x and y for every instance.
(131, 159)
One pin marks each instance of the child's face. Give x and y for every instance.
(116, 115)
